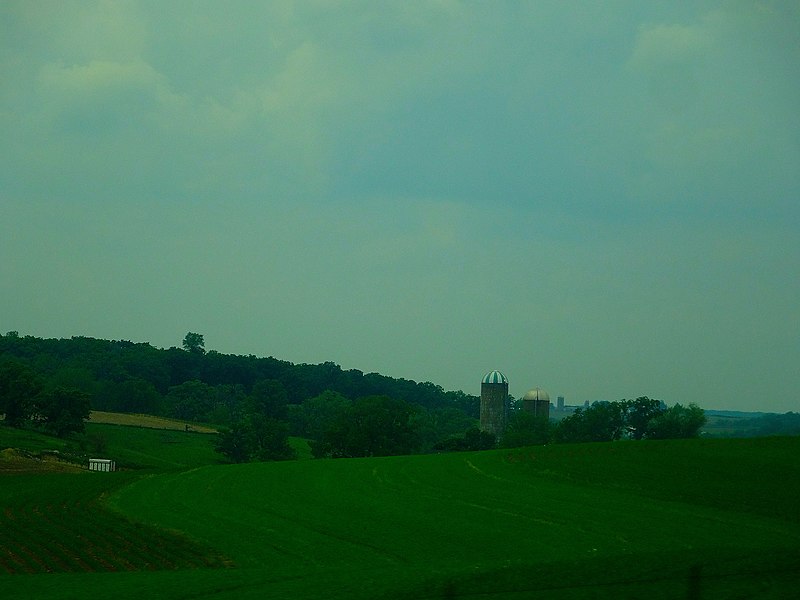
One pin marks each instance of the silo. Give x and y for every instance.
(537, 402)
(494, 403)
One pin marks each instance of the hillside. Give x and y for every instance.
(653, 519)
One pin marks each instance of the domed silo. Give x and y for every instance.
(494, 403)
(537, 402)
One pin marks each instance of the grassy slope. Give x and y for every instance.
(159, 449)
(580, 520)
(130, 447)
(148, 421)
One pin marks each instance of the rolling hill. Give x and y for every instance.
(692, 518)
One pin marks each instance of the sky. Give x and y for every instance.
(599, 199)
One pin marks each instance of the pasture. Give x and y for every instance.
(148, 421)
(695, 518)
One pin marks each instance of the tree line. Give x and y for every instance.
(259, 402)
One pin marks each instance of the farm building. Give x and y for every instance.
(537, 402)
(494, 403)
(102, 464)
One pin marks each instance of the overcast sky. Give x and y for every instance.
(597, 198)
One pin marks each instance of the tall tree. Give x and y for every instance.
(234, 443)
(63, 410)
(639, 413)
(193, 342)
(19, 387)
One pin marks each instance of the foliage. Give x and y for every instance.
(318, 413)
(639, 413)
(473, 439)
(258, 437)
(762, 425)
(234, 443)
(200, 386)
(371, 426)
(62, 411)
(269, 398)
(636, 419)
(525, 429)
(439, 424)
(133, 395)
(677, 422)
(193, 342)
(191, 400)
(600, 422)
(19, 387)
(270, 438)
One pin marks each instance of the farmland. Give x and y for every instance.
(661, 519)
(147, 421)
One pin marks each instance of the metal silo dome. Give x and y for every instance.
(494, 377)
(536, 394)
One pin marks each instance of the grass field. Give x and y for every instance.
(147, 421)
(697, 518)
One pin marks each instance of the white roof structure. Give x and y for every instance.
(494, 377)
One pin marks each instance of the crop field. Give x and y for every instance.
(679, 519)
(147, 421)
(56, 523)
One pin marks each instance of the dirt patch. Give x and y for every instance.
(19, 461)
(147, 421)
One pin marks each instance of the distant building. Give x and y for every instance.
(560, 404)
(102, 464)
(494, 403)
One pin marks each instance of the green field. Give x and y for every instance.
(674, 519)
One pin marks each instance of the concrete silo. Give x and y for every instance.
(537, 403)
(494, 403)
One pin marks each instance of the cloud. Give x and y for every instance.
(102, 96)
(396, 175)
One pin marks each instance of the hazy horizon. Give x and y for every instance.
(597, 199)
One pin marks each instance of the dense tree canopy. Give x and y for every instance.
(19, 386)
(525, 429)
(259, 400)
(255, 437)
(370, 426)
(191, 384)
(62, 411)
(677, 422)
(635, 419)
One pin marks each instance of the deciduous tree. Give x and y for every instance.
(62, 411)
(525, 429)
(193, 342)
(372, 426)
(677, 422)
(19, 387)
